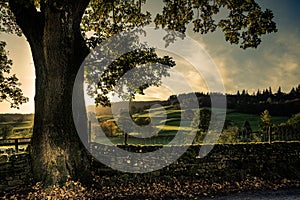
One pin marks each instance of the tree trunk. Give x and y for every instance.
(58, 50)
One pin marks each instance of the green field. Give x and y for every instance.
(238, 119)
(166, 121)
(17, 125)
(170, 126)
(20, 129)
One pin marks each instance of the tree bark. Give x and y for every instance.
(58, 49)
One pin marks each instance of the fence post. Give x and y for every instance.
(17, 145)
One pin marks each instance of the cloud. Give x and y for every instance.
(284, 57)
(275, 63)
(183, 79)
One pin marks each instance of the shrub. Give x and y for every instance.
(230, 135)
(142, 120)
(110, 128)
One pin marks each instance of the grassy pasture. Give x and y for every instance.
(167, 121)
(171, 125)
(17, 125)
(238, 119)
(20, 129)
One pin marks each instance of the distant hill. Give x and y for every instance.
(16, 117)
(134, 106)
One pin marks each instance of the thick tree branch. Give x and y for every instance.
(80, 6)
(79, 9)
(28, 18)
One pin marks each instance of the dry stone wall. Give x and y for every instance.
(229, 162)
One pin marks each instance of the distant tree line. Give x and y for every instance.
(278, 104)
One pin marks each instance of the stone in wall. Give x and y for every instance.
(15, 171)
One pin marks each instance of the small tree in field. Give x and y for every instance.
(246, 131)
(204, 115)
(266, 124)
(294, 122)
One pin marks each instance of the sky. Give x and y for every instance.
(276, 62)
